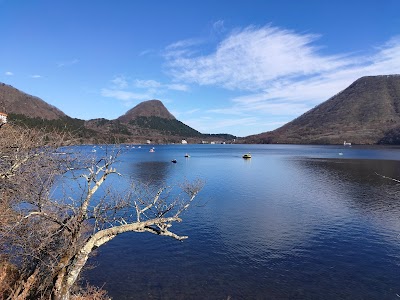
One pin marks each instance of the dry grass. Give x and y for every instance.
(8, 276)
(91, 293)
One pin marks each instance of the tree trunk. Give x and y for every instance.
(71, 268)
(63, 294)
(68, 275)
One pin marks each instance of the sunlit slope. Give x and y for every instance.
(367, 112)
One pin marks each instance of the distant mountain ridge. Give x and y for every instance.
(367, 112)
(149, 120)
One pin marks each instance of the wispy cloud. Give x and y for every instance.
(182, 48)
(192, 111)
(127, 90)
(218, 26)
(146, 52)
(146, 84)
(119, 82)
(67, 63)
(156, 87)
(278, 71)
(177, 87)
(311, 91)
(127, 97)
(35, 76)
(250, 58)
(8, 73)
(184, 44)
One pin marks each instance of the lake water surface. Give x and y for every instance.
(292, 222)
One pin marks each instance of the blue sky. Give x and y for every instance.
(239, 67)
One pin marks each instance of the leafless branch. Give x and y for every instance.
(393, 179)
(68, 225)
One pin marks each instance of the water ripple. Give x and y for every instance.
(294, 222)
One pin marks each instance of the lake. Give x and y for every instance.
(292, 222)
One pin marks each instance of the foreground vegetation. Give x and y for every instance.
(46, 240)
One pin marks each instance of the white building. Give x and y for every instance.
(184, 142)
(3, 118)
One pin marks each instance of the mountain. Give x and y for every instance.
(150, 108)
(149, 120)
(17, 102)
(367, 112)
(33, 112)
(153, 115)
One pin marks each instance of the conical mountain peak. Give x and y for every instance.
(150, 108)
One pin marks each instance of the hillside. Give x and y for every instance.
(153, 116)
(367, 112)
(17, 102)
(149, 120)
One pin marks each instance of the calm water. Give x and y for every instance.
(293, 222)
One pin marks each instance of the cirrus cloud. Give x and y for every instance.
(67, 63)
(276, 71)
(249, 59)
(128, 91)
(125, 96)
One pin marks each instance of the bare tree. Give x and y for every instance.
(51, 238)
(29, 165)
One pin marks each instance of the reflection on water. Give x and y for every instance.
(144, 171)
(294, 222)
(364, 189)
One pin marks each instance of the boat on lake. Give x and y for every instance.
(247, 155)
(187, 155)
